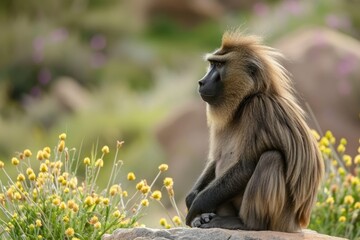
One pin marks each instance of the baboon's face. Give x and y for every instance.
(227, 78)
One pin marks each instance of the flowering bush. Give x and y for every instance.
(337, 211)
(53, 203)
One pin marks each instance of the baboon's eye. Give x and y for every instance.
(216, 64)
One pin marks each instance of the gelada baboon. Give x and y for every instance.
(264, 167)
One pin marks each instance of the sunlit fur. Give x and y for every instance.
(259, 113)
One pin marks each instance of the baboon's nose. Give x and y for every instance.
(201, 83)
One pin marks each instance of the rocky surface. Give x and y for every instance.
(213, 234)
(325, 66)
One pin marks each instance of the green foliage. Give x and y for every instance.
(337, 211)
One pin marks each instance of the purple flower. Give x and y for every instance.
(98, 42)
(337, 22)
(346, 65)
(260, 9)
(293, 7)
(59, 35)
(44, 76)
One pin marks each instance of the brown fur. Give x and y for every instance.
(260, 114)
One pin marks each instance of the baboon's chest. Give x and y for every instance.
(227, 154)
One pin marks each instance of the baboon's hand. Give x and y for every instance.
(190, 198)
(202, 219)
(200, 205)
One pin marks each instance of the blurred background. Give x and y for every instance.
(112, 70)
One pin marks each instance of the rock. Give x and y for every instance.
(213, 234)
(70, 94)
(183, 137)
(325, 66)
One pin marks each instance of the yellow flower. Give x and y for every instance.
(61, 146)
(163, 167)
(341, 171)
(74, 238)
(71, 204)
(168, 182)
(73, 182)
(315, 134)
(27, 153)
(349, 199)
(334, 163)
(29, 171)
(357, 205)
(39, 236)
(75, 208)
(163, 222)
(355, 181)
(145, 202)
(46, 155)
(47, 149)
(168, 226)
(341, 148)
(20, 177)
(56, 201)
(145, 189)
(343, 141)
(40, 155)
(62, 206)
(105, 149)
(94, 220)
(15, 161)
(116, 214)
(140, 185)
(357, 159)
(38, 223)
(124, 193)
(105, 201)
(347, 159)
(99, 163)
(62, 136)
(43, 168)
(131, 176)
(17, 195)
(97, 225)
(327, 151)
(66, 219)
(32, 177)
(2, 164)
(342, 219)
(87, 161)
(156, 195)
(324, 141)
(69, 232)
(89, 201)
(176, 220)
(97, 200)
(114, 189)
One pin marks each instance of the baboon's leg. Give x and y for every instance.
(265, 198)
